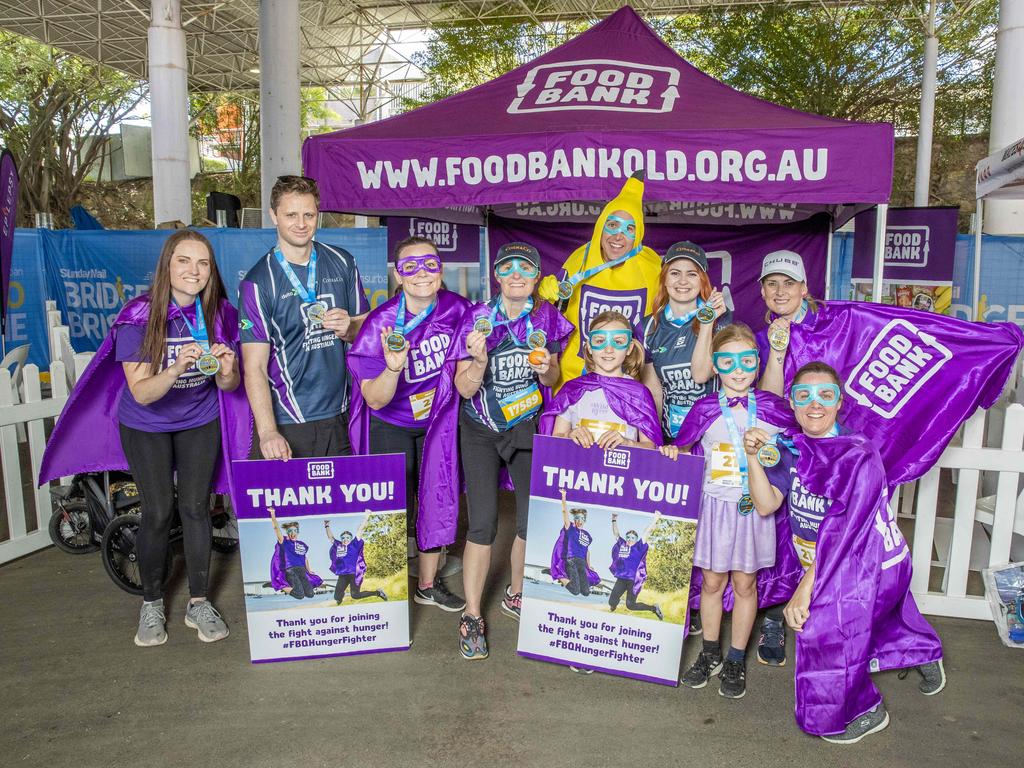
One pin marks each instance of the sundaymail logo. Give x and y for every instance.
(907, 246)
(616, 459)
(320, 470)
(445, 235)
(898, 363)
(601, 84)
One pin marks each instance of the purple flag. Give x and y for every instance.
(8, 220)
(912, 378)
(457, 243)
(919, 245)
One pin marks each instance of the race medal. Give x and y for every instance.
(537, 340)
(565, 289)
(768, 455)
(483, 325)
(778, 338)
(395, 342)
(207, 364)
(316, 312)
(706, 314)
(746, 505)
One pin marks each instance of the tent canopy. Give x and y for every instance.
(571, 125)
(1001, 174)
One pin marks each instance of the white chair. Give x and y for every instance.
(17, 357)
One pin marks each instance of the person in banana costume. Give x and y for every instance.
(613, 271)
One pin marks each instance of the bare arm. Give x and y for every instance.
(277, 528)
(327, 530)
(766, 497)
(147, 388)
(469, 373)
(378, 392)
(649, 378)
(565, 512)
(615, 527)
(773, 378)
(550, 375)
(362, 527)
(700, 362)
(650, 528)
(256, 356)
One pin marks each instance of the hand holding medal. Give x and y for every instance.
(337, 320)
(395, 347)
(778, 334)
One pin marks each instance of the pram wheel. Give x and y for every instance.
(71, 529)
(119, 553)
(225, 531)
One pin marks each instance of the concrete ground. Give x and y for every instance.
(77, 692)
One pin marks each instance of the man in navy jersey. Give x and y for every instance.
(298, 306)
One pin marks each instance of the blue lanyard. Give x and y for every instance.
(507, 322)
(197, 331)
(734, 433)
(402, 327)
(679, 322)
(790, 445)
(579, 277)
(307, 292)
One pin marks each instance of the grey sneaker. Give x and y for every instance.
(512, 603)
(151, 625)
(933, 678)
(580, 670)
(870, 722)
(203, 618)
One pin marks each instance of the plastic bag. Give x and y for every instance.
(1004, 590)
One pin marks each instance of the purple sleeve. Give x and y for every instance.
(128, 343)
(365, 367)
(251, 312)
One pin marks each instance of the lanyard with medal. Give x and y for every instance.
(778, 337)
(207, 364)
(704, 312)
(746, 504)
(768, 455)
(317, 309)
(566, 287)
(396, 339)
(535, 339)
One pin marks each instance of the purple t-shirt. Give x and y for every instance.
(579, 542)
(806, 510)
(627, 559)
(192, 400)
(294, 553)
(344, 558)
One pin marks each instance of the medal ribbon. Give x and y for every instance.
(679, 322)
(579, 277)
(507, 322)
(790, 445)
(734, 433)
(197, 331)
(402, 327)
(307, 292)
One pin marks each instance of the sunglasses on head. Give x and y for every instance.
(616, 225)
(803, 395)
(410, 265)
(727, 362)
(618, 339)
(522, 266)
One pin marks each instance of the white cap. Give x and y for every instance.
(786, 263)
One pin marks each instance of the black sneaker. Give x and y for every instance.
(382, 595)
(658, 613)
(695, 625)
(703, 668)
(733, 680)
(870, 722)
(771, 645)
(933, 678)
(439, 595)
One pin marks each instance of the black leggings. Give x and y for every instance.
(579, 581)
(298, 580)
(389, 438)
(348, 581)
(626, 586)
(153, 458)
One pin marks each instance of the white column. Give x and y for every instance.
(280, 140)
(922, 177)
(168, 96)
(882, 215)
(1006, 217)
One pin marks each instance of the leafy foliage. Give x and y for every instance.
(386, 546)
(670, 556)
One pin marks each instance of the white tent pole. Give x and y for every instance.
(485, 267)
(876, 278)
(976, 294)
(168, 90)
(280, 141)
(828, 263)
(922, 176)
(1006, 217)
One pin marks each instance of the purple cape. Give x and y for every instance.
(332, 553)
(909, 404)
(775, 584)
(277, 578)
(630, 400)
(862, 615)
(87, 438)
(641, 568)
(440, 474)
(558, 559)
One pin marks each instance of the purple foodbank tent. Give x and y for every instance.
(556, 137)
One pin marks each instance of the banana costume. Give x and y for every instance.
(629, 287)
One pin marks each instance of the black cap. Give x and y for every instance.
(687, 250)
(518, 251)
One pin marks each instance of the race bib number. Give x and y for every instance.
(676, 416)
(521, 405)
(596, 427)
(421, 404)
(805, 551)
(725, 469)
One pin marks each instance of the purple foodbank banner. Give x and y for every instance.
(607, 576)
(457, 243)
(323, 546)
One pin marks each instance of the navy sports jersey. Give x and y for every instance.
(670, 349)
(806, 510)
(306, 369)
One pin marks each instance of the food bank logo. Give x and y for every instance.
(602, 84)
(898, 363)
(320, 470)
(444, 234)
(907, 246)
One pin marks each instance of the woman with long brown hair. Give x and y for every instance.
(169, 418)
(677, 334)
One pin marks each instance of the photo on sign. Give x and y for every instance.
(609, 559)
(329, 561)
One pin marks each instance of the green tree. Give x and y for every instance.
(55, 111)
(670, 557)
(386, 546)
